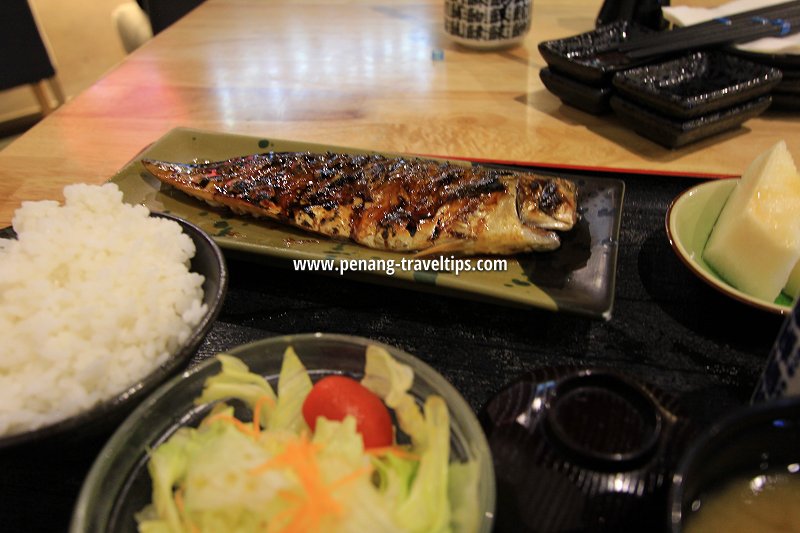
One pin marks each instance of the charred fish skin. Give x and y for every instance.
(389, 203)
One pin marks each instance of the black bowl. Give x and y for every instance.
(106, 415)
(756, 439)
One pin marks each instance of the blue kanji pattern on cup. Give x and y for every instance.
(781, 376)
(487, 23)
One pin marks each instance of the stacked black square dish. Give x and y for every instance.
(581, 67)
(786, 94)
(692, 97)
(672, 101)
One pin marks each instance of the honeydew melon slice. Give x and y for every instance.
(755, 242)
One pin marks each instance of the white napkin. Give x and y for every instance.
(686, 16)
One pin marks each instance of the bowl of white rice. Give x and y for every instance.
(100, 302)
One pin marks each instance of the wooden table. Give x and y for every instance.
(349, 73)
(360, 74)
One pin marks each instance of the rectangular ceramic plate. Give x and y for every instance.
(578, 278)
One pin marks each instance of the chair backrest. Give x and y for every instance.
(163, 13)
(24, 57)
(132, 25)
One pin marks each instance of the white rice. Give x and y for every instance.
(94, 295)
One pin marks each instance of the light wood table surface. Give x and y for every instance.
(349, 73)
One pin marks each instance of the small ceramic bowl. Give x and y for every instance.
(689, 221)
(749, 446)
(103, 417)
(118, 484)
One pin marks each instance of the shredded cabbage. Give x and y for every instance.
(273, 475)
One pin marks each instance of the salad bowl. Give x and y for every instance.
(118, 485)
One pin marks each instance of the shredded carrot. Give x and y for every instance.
(178, 496)
(257, 413)
(398, 451)
(289, 496)
(299, 453)
(307, 509)
(241, 426)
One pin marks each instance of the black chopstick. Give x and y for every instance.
(779, 19)
(741, 32)
(784, 10)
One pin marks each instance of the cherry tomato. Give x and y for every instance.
(334, 397)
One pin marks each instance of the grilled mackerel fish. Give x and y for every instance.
(400, 204)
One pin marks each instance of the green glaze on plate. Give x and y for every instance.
(690, 219)
(578, 278)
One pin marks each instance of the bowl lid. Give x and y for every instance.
(592, 447)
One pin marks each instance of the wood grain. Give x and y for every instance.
(351, 73)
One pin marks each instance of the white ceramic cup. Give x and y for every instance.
(781, 376)
(487, 24)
